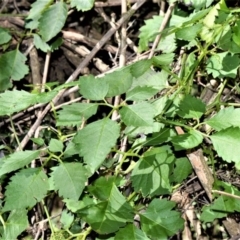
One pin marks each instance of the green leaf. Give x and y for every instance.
(21, 100)
(74, 205)
(40, 44)
(17, 160)
(38, 141)
(14, 68)
(187, 140)
(112, 212)
(55, 145)
(160, 221)
(69, 179)
(163, 59)
(140, 67)
(26, 188)
(100, 137)
(160, 137)
(182, 170)
(16, 223)
(93, 88)
(56, 15)
(222, 206)
(83, 5)
(4, 36)
(74, 114)
(149, 31)
(191, 107)
(223, 65)
(225, 118)
(119, 81)
(226, 142)
(37, 8)
(189, 33)
(167, 44)
(9, 105)
(151, 174)
(130, 232)
(139, 114)
(66, 219)
(141, 93)
(151, 79)
(225, 41)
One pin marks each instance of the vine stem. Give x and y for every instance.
(83, 64)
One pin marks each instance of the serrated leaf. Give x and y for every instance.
(40, 44)
(130, 232)
(191, 107)
(223, 65)
(158, 138)
(182, 170)
(37, 8)
(163, 59)
(56, 15)
(74, 205)
(55, 145)
(167, 44)
(69, 179)
(26, 188)
(17, 160)
(139, 114)
(150, 78)
(14, 68)
(4, 36)
(83, 5)
(93, 88)
(151, 174)
(140, 67)
(187, 140)
(112, 211)
(160, 221)
(16, 223)
(72, 115)
(189, 33)
(21, 100)
(226, 142)
(118, 81)
(67, 219)
(141, 93)
(225, 118)
(149, 31)
(101, 136)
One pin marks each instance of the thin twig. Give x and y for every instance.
(162, 27)
(83, 64)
